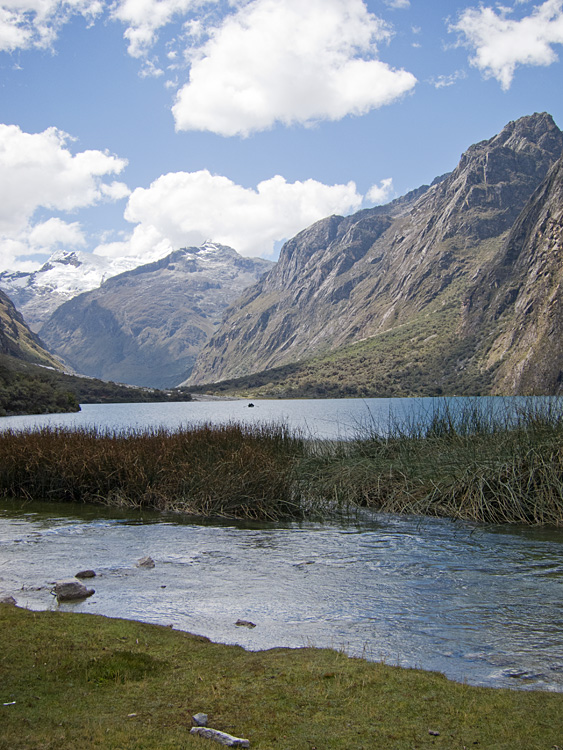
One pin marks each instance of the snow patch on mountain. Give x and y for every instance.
(65, 275)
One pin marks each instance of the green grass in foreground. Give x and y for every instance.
(81, 682)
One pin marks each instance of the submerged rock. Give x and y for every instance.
(86, 574)
(145, 562)
(71, 589)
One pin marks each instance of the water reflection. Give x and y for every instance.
(478, 603)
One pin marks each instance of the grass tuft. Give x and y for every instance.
(230, 471)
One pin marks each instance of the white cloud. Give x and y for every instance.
(187, 208)
(445, 81)
(502, 43)
(398, 4)
(382, 193)
(48, 235)
(38, 171)
(145, 18)
(36, 23)
(288, 61)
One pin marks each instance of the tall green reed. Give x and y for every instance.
(490, 460)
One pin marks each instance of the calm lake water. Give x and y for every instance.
(321, 418)
(479, 603)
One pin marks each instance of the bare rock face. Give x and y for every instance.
(517, 302)
(17, 340)
(348, 279)
(146, 326)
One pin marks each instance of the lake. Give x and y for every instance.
(481, 604)
(320, 418)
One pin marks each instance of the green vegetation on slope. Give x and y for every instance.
(29, 394)
(82, 681)
(424, 357)
(26, 388)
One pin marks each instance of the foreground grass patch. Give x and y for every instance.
(84, 681)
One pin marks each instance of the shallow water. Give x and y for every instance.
(480, 604)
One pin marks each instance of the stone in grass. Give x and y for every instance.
(71, 590)
(200, 720)
(8, 600)
(222, 737)
(86, 574)
(145, 562)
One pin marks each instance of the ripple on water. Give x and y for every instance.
(478, 604)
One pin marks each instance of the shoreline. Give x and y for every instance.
(131, 684)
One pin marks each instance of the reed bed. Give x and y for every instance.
(478, 462)
(230, 470)
(472, 462)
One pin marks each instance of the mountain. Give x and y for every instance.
(516, 303)
(17, 340)
(378, 297)
(66, 274)
(23, 390)
(146, 326)
(32, 380)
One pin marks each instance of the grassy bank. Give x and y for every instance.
(491, 466)
(83, 681)
(26, 388)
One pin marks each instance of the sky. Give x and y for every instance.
(131, 128)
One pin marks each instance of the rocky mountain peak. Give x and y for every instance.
(63, 258)
(145, 326)
(485, 192)
(37, 294)
(352, 278)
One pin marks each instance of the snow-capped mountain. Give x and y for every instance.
(147, 325)
(65, 275)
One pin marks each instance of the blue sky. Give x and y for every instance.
(133, 127)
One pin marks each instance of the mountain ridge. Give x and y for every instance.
(17, 340)
(348, 279)
(66, 273)
(145, 326)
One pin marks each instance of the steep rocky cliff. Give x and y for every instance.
(398, 269)
(516, 303)
(146, 326)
